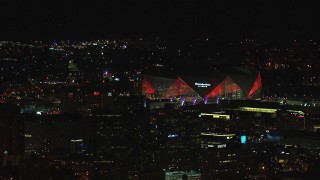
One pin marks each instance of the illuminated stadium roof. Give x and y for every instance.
(236, 83)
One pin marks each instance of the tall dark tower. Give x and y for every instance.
(11, 135)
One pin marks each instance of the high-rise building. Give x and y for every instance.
(115, 145)
(11, 135)
(219, 156)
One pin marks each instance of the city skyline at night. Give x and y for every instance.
(159, 90)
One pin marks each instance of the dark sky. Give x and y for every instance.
(171, 18)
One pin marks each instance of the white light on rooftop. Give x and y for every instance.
(76, 140)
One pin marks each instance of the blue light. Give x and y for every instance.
(182, 100)
(243, 139)
(194, 101)
(206, 100)
(145, 102)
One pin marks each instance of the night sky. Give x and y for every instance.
(93, 20)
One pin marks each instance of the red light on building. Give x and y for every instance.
(256, 86)
(216, 91)
(96, 93)
(179, 87)
(147, 89)
(226, 86)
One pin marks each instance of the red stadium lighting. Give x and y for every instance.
(256, 86)
(234, 85)
(226, 86)
(179, 87)
(216, 91)
(147, 89)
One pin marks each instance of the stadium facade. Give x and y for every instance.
(241, 83)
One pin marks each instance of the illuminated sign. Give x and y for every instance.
(216, 115)
(202, 85)
(262, 110)
(222, 146)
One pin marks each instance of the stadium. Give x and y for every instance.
(235, 83)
